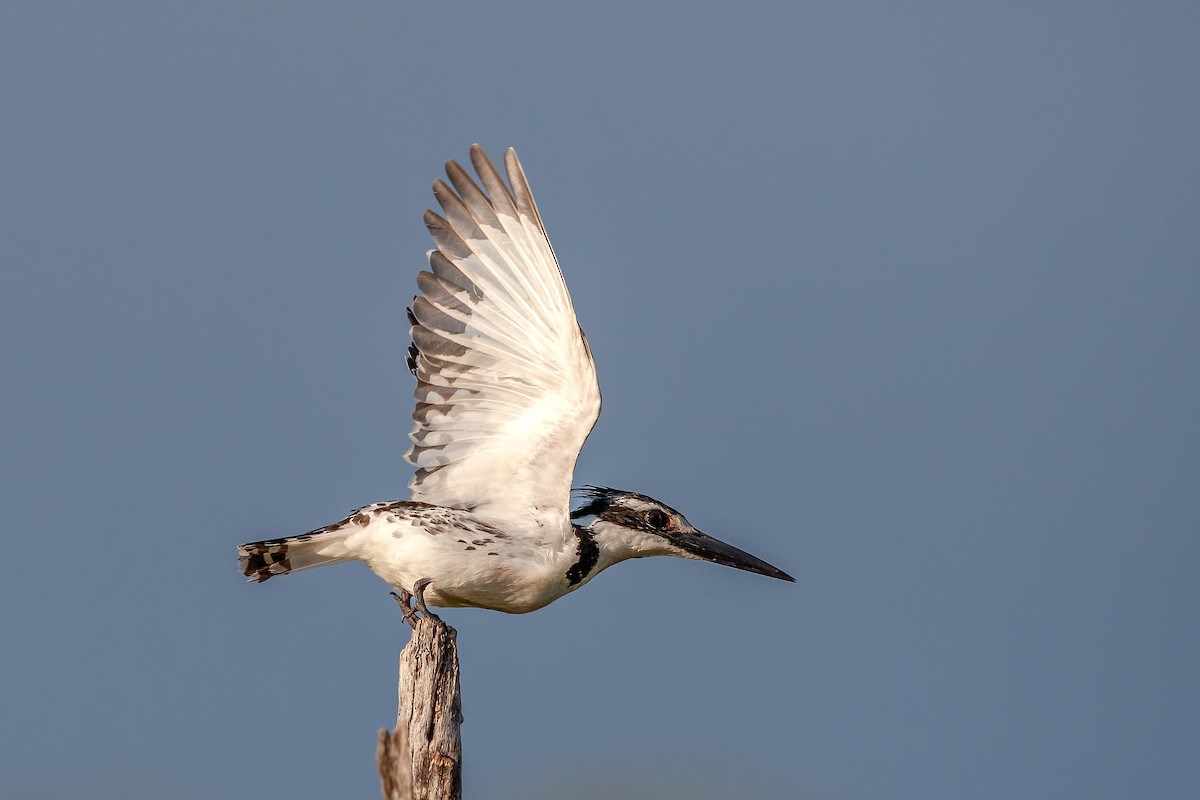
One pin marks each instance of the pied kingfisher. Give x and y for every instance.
(506, 394)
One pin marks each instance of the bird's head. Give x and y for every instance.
(631, 525)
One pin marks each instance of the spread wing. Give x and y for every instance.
(506, 386)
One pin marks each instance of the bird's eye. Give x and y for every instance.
(656, 519)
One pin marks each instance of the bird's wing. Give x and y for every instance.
(506, 386)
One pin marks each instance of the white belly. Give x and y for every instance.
(468, 563)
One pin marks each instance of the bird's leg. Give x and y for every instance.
(419, 596)
(404, 600)
(407, 601)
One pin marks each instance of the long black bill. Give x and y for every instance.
(704, 547)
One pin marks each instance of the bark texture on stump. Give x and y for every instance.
(422, 758)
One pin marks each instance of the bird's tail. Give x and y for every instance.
(261, 560)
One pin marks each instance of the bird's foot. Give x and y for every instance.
(404, 600)
(412, 603)
(419, 597)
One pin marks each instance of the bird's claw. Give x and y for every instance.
(413, 603)
(404, 600)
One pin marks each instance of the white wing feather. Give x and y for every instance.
(506, 386)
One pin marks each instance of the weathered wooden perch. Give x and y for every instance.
(422, 758)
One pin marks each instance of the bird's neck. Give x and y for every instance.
(587, 557)
(601, 544)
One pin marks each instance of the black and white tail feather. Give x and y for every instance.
(259, 561)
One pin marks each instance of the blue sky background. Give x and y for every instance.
(900, 297)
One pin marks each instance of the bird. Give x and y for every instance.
(506, 395)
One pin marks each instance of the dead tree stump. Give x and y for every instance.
(422, 758)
